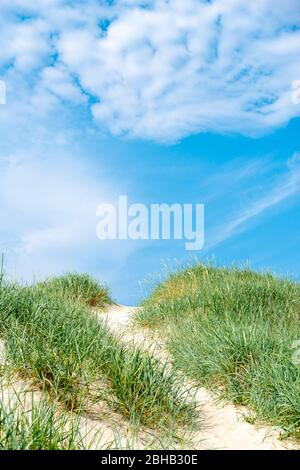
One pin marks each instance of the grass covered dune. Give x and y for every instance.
(232, 330)
(41, 427)
(54, 338)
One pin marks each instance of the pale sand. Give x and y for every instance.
(222, 425)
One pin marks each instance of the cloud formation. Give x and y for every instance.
(160, 69)
(49, 206)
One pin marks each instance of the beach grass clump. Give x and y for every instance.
(155, 394)
(233, 330)
(59, 343)
(39, 428)
(79, 287)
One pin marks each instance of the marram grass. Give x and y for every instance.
(79, 287)
(232, 330)
(53, 338)
(39, 428)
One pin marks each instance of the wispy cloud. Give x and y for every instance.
(286, 185)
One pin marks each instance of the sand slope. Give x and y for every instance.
(223, 426)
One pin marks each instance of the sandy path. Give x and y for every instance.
(222, 426)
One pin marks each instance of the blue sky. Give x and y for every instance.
(164, 101)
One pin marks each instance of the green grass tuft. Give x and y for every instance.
(38, 427)
(79, 287)
(55, 340)
(232, 330)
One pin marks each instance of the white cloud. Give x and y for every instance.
(161, 69)
(49, 208)
(58, 81)
(41, 239)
